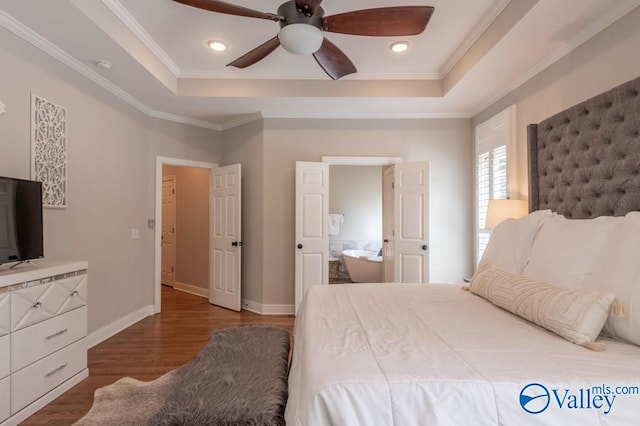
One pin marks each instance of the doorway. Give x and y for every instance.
(355, 222)
(410, 233)
(185, 229)
(173, 165)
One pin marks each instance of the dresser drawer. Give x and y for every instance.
(35, 304)
(33, 381)
(4, 356)
(76, 290)
(5, 314)
(5, 400)
(39, 340)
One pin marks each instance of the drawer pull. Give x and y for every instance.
(56, 334)
(51, 373)
(74, 294)
(37, 305)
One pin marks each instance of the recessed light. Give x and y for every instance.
(218, 46)
(105, 65)
(399, 46)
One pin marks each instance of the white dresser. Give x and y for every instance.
(43, 328)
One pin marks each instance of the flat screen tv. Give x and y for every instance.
(21, 236)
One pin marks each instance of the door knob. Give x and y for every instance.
(235, 244)
(386, 240)
(425, 247)
(300, 246)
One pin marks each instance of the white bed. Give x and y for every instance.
(439, 356)
(400, 354)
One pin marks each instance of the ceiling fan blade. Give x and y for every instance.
(308, 6)
(256, 54)
(333, 60)
(383, 21)
(228, 8)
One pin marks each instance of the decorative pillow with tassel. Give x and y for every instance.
(575, 315)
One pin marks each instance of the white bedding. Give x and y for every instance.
(397, 354)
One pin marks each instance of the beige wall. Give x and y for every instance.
(111, 170)
(356, 192)
(445, 143)
(244, 145)
(192, 225)
(112, 150)
(607, 60)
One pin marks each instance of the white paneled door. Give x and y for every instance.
(388, 258)
(312, 235)
(411, 222)
(168, 230)
(226, 237)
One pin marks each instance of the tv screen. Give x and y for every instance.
(21, 236)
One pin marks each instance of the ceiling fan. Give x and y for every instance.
(302, 23)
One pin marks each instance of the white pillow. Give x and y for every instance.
(565, 251)
(576, 315)
(510, 243)
(618, 271)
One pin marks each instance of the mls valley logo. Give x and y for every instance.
(535, 398)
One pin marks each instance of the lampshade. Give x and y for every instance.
(301, 39)
(501, 210)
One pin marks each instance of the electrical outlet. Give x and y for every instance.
(135, 233)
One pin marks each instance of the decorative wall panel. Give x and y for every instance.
(49, 150)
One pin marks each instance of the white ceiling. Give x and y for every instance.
(472, 53)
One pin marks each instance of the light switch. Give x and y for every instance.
(135, 233)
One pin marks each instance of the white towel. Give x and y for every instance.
(334, 223)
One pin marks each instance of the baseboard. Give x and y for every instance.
(259, 308)
(117, 326)
(192, 289)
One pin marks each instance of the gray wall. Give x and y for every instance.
(111, 170)
(608, 59)
(112, 150)
(356, 192)
(445, 143)
(244, 145)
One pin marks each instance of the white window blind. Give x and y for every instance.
(492, 170)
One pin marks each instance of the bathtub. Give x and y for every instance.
(363, 266)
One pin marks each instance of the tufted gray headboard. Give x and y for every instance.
(584, 162)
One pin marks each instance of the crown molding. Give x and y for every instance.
(130, 22)
(473, 36)
(184, 120)
(369, 116)
(242, 120)
(600, 24)
(54, 51)
(256, 75)
(49, 48)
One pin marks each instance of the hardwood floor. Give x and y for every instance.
(150, 348)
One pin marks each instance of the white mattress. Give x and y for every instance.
(397, 354)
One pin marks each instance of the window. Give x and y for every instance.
(493, 151)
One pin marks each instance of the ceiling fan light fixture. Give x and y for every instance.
(216, 45)
(301, 39)
(399, 46)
